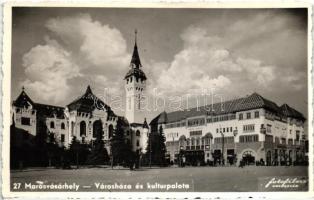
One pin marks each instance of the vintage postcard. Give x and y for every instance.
(139, 99)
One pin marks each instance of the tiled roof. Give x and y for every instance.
(256, 101)
(88, 102)
(291, 112)
(49, 110)
(23, 100)
(253, 101)
(161, 118)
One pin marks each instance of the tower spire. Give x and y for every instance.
(135, 31)
(135, 62)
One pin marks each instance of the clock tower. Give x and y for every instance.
(135, 85)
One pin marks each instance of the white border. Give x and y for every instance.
(150, 195)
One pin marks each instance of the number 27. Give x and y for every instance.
(16, 186)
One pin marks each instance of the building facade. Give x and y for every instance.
(249, 129)
(87, 114)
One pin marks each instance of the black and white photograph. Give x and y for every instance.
(153, 99)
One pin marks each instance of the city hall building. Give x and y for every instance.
(87, 114)
(252, 129)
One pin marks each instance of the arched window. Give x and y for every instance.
(97, 128)
(52, 125)
(110, 130)
(138, 133)
(62, 126)
(82, 128)
(72, 128)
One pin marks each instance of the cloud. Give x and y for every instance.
(48, 67)
(202, 64)
(252, 52)
(82, 51)
(100, 45)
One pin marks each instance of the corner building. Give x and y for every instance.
(252, 129)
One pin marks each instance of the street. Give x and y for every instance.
(198, 179)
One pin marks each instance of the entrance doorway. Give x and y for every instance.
(268, 158)
(248, 158)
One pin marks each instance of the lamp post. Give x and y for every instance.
(150, 150)
(222, 147)
(235, 133)
(173, 148)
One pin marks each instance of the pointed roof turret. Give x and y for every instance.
(145, 125)
(88, 90)
(23, 100)
(88, 102)
(135, 63)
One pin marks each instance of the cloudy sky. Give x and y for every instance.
(57, 52)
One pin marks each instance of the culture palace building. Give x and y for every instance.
(87, 114)
(252, 129)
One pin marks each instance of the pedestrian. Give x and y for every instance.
(183, 161)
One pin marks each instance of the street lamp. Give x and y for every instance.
(235, 133)
(150, 149)
(223, 148)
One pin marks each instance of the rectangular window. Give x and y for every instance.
(227, 129)
(248, 138)
(248, 128)
(223, 130)
(256, 114)
(217, 130)
(268, 128)
(26, 121)
(248, 115)
(297, 136)
(195, 133)
(62, 137)
(240, 116)
(137, 143)
(230, 129)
